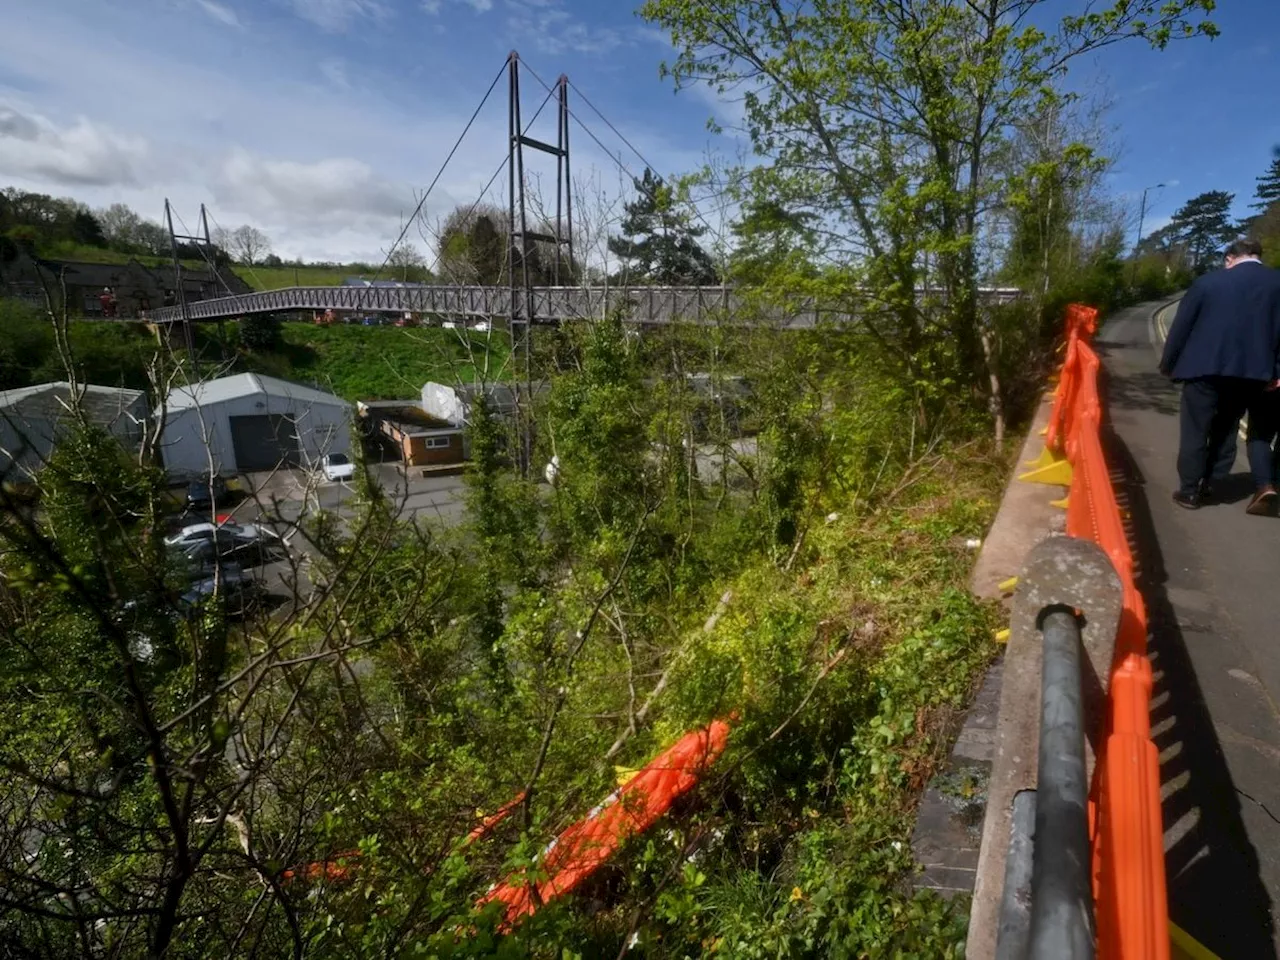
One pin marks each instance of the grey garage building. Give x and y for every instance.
(251, 422)
(34, 419)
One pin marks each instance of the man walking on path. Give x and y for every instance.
(1224, 348)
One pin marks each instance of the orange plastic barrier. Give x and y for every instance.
(1128, 853)
(495, 818)
(588, 844)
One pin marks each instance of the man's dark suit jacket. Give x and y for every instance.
(1228, 325)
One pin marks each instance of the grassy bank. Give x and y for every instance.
(274, 278)
(378, 363)
(355, 362)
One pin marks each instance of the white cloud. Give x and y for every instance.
(434, 7)
(336, 15)
(229, 129)
(85, 153)
(554, 31)
(335, 71)
(334, 192)
(223, 14)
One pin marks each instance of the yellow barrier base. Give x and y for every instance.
(1060, 504)
(1183, 946)
(1043, 459)
(1056, 472)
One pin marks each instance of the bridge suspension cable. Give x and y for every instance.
(221, 230)
(439, 173)
(693, 207)
(488, 186)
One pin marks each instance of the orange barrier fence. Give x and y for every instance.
(1127, 833)
(587, 845)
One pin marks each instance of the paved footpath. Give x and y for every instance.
(1212, 583)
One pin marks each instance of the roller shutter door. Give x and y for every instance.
(264, 441)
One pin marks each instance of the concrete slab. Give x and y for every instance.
(948, 831)
(1024, 519)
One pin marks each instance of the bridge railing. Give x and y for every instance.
(643, 304)
(1125, 827)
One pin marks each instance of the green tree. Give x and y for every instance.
(659, 244)
(1268, 190)
(86, 229)
(474, 246)
(771, 240)
(886, 119)
(260, 332)
(1204, 224)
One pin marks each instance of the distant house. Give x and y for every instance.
(395, 284)
(419, 439)
(136, 288)
(33, 420)
(452, 404)
(251, 422)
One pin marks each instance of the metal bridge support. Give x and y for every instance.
(523, 253)
(204, 244)
(188, 332)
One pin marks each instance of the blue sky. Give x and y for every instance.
(318, 119)
(1199, 115)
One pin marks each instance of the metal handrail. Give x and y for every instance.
(1062, 925)
(1047, 911)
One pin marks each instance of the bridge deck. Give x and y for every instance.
(646, 305)
(1212, 584)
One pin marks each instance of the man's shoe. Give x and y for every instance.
(1263, 503)
(1188, 501)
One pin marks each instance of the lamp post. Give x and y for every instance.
(1142, 214)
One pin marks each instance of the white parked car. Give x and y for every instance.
(337, 467)
(201, 532)
(192, 534)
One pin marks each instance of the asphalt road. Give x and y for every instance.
(1211, 579)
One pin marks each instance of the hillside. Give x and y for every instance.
(258, 277)
(355, 362)
(375, 363)
(84, 253)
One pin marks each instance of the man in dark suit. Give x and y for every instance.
(1224, 348)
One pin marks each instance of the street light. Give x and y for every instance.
(1142, 215)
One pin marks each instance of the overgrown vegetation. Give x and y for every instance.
(548, 641)
(304, 781)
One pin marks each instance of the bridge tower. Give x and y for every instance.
(523, 306)
(204, 244)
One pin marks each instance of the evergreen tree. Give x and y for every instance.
(771, 239)
(1268, 191)
(658, 244)
(1204, 224)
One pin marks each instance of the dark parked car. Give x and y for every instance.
(239, 591)
(204, 552)
(206, 493)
